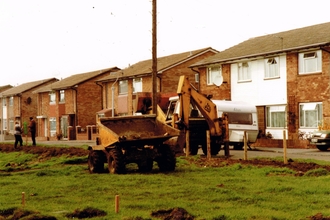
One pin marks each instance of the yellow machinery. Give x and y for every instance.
(132, 139)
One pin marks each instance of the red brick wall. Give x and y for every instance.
(170, 78)
(221, 92)
(306, 88)
(88, 102)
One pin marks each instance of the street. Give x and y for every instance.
(292, 153)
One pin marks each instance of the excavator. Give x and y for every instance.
(194, 114)
(192, 104)
(226, 121)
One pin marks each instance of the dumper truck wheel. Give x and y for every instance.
(167, 160)
(116, 163)
(95, 161)
(145, 165)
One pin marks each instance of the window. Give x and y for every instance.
(272, 67)
(4, 103)
(244, 73)
(276, 116)
(310, 115)
(310, 62)
(62, 96)
(11, 101)
(52, 97)
(137, 85)
(123, 87)
(11, 124)
(52, 126)
(212, 73)
(240, 118)
(4, 124)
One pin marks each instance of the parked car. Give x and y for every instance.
(321, 139)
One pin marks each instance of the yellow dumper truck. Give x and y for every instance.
(140, 139)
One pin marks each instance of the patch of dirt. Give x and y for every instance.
(299, 167)
(17, 213)
(172, 214)
(46, 152)
(86, 213)
(318, 216)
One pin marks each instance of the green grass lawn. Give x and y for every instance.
(62, 185)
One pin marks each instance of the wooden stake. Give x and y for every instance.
(284, 148)
(245, 146)
(23, 198)
(208, 144)
(187, 143)
(116, 203)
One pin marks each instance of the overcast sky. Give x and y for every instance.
(40, 39)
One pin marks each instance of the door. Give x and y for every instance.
(64, 126)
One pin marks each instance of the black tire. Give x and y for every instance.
(116, 163)
(145, 165)
(238, 146)
(193, 149)
(322, 148)
(95, 161)
(167, 160)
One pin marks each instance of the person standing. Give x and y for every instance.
(18, 135)
(32, 128)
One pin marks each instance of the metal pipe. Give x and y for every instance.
(113, 97)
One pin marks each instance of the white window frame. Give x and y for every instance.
(310, 62)
(306, 113)
(52, 126)
(244, 71)
(11, 101)
(276, 116)
(272, 68)
(62, 96)
(52, 98)
(4, 124)
(11, 124)
(212, 73)
(4, 102)
(137, 85)
(123, 87)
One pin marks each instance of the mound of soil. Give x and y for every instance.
(299, 167)
(46, 151)
(172, 214)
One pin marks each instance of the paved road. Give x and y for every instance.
(292, 153)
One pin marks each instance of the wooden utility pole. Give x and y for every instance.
(154, 57)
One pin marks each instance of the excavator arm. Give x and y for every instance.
(187, 94)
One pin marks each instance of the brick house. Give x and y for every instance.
(68, 107)
(127, 85)
(286, 75)
(19, 103)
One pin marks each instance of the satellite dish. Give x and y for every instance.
(218, 80)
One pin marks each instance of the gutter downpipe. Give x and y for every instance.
(100, 85)
(74, 88)
(198, 76)
(113, 97)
